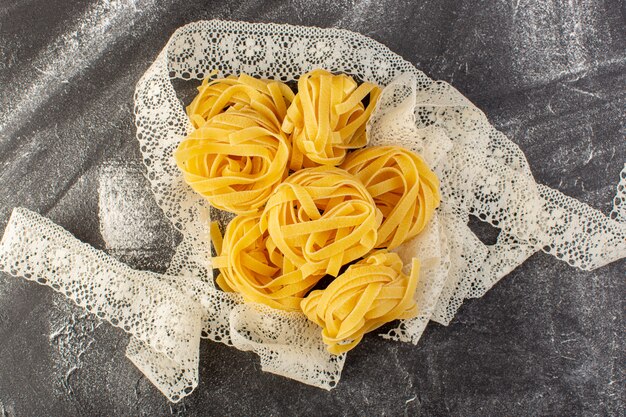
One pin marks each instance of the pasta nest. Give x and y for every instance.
(328, 117)
(237, 155)
(270, 98)
(403, 187)
(370, 293)
(251, 265)
(321, 219)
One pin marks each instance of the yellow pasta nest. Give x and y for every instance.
(237, 154)
(403, 187)
(321, 219)
(370, 293)
(251, 265)
(327, 117)
(269, 98)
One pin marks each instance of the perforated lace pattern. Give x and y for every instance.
(482, 174)
(161, 319)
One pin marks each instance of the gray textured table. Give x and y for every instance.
(547, 340)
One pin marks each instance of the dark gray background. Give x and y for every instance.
(547, 340)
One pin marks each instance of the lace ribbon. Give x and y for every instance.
(486, 175)
(164, 315)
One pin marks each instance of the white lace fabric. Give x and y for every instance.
(161, 319)
(482, 174)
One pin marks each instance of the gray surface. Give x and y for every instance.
(547, 340)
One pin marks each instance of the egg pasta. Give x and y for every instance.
(237, 154)
(340, 206)
(403, 187)
(327, 117)
(321, 219)
(370, 293)
(251, 265)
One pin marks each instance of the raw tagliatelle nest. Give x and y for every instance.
(481, 173)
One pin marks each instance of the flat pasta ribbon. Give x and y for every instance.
(268, 97)
(321, 219)
(327, 117)
(370, 293)
(237, 154)
(251, 265)
(403, 187)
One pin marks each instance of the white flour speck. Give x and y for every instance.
(81, 45)
(551, 41)
(71, 335)
(131, 223)
(357, 14)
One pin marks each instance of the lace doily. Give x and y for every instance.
(482, 174)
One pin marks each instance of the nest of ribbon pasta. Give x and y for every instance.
(311, 200)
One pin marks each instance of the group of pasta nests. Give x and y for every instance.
(310, 199)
